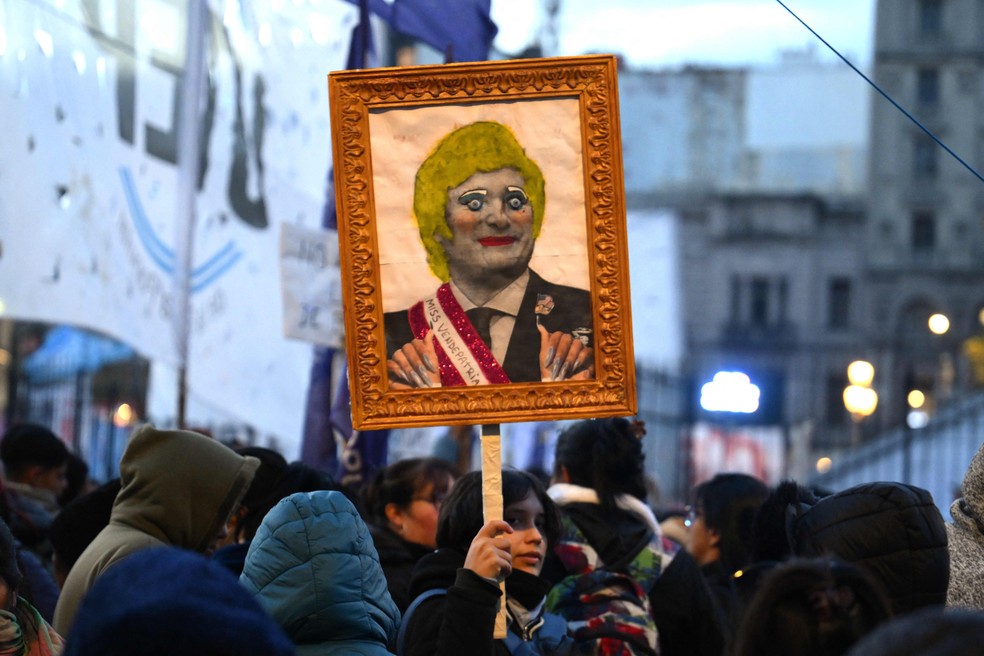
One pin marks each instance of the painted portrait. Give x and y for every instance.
(482, 232)
(481, 207)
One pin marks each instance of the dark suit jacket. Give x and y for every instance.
(572, 310)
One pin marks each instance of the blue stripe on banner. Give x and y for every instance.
(161, 255)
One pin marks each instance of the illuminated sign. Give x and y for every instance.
(730, 391)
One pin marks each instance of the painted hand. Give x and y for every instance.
(563, 357)
(414, 366)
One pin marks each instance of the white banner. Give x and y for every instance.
(88, 182)
(312, 287)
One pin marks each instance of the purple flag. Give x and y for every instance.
(318, 446)
(464, 29)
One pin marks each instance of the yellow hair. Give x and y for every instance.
(483, 147)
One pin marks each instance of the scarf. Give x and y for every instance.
(13, 641)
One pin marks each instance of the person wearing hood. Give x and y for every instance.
(178, 488)
(313, 567)
(965, 538)
(456, 588)
(599, 484)
(892, 530)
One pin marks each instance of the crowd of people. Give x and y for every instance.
(203, 548)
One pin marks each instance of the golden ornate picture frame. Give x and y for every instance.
(564, 113)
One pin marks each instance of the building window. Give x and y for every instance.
(923, 232)
(839, 304)
(924, 158)
(759, 308)
(930, 16)
(928, 86)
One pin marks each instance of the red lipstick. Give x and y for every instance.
(496, 241)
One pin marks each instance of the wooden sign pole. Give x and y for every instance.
(492, 501)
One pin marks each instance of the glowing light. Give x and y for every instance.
(45, 42)
(265, 35)
(296, 37)
(860, 373)
(916, 399)
(824, 464)
(860, 400)
(939, 324)
(3, 307)
(730, 391)
(4, 357)
(79, 58)
(917, 419)
(161, 24)
(123, 415)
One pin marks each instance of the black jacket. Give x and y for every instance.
(571, 311)
(398, 558)
(893, 530)
(454, 624)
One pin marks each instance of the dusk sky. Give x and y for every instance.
(658, 33)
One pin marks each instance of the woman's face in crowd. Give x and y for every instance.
(491, 221)
(417, 522)
(529, 547)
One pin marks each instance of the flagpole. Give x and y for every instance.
(189, 126)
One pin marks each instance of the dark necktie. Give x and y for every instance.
(481, 319)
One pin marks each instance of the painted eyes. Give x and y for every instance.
(473, 200)
(514, 199)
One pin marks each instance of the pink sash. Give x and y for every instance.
(462, 357)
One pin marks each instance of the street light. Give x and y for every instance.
(859, 398)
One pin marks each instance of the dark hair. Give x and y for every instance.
(461, 514)
(773, 521)
(78, 523)
(296, 477)
(25, 445)
(77, 475)
(402, 481)
(728, 503)
(272, 466)
(605, 455)
(811, 607)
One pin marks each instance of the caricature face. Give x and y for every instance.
(491, 223)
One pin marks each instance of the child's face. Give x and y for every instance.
(527, 542)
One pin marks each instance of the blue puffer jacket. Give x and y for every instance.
(313, 567)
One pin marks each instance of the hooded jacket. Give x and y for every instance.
(313, 567)
(966, 540)
(893, 530)
(178, 488)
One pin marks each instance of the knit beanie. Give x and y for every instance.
(165, 601)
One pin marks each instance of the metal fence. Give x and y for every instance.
(934, 457)
(662, 400)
